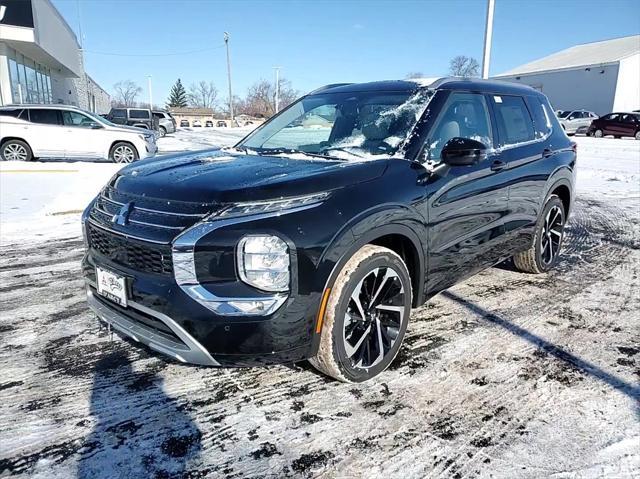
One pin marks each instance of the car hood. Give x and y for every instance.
(129, 129)
(221, 176)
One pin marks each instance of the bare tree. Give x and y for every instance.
(412, 75)
(203, 95)
(126, 93)
(462, 66)
(261, 97)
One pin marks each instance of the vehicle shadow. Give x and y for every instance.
(139, 431)
(584, 366)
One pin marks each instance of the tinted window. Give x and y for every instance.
(514, 121)
(14, 113)
(44, 116)
(541, 118)
(160, 116)
(138, 114)
(629, 119)
(118, 113)
(465, 115)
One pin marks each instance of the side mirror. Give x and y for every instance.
(95, 126)
(463, 152)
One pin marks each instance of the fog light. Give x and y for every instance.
(263, 262)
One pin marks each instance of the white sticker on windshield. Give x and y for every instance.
(497, 99)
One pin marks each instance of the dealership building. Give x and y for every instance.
(602, 77)
(41, 60)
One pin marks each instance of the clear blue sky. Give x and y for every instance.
(321, 41)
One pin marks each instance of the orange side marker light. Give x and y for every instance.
(323, 307)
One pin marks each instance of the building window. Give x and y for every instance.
(30, 81)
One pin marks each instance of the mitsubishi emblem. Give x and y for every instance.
(122, 216)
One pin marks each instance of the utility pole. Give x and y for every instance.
(277, 69)
(488, 33)
(226, 42)
(150, 93)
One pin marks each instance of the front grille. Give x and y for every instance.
(132, 254)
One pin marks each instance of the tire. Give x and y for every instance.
(637, 135)
(16, 150)
(549, 234)
(163, 131)
(598, 133)
(378, 274)
(123, 152)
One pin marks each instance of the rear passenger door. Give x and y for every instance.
(46, 135)
(526, 152)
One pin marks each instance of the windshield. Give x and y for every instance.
(353, 125)
(563, 114)
(98, 118)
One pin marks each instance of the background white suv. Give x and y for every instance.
(61, 131)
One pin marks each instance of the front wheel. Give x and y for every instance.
(366, 316)
(543, 254)
(123, 152)
(163, 132)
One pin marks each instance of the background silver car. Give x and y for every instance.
(574, 120)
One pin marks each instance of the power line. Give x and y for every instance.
(154, 54)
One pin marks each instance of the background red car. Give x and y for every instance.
(616, 124)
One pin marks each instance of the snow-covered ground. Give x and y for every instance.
(505, 375)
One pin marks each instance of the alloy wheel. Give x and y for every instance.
(551, 236)
(598, 134)
(373, 317)
(15, 151)
(123, 154)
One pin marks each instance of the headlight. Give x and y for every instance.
(263, 262)
(282, 204)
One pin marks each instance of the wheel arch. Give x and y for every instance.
(395, 235)
(562, 188)
(10, 138)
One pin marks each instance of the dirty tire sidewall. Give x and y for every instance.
(530, 261)
(332, 358)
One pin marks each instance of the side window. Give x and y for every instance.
(514, 121)
(73, 118)
(14, 113)
(159, 116)
(118, 113)
(465, 115)
(139, 114)
(541, 118)
(45, 116)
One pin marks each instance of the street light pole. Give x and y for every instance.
(226, 42)
(488, 33)
(150, 93)
(277, 69)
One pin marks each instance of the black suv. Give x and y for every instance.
(315, 235)
(139, 117)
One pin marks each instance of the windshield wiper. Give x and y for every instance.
(289, 151)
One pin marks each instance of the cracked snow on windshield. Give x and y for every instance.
(505, 375)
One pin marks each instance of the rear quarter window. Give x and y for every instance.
(15, 113)
(515, 124)
(542, 120)
(139, 114)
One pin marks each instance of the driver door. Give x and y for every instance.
(85, 140)
(466, 204)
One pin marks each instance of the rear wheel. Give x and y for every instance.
(543, 254)
(366, 316)
(123, 152)
(16, 150)
(598, 133)
(637, 135)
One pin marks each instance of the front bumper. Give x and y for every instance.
(165, 318)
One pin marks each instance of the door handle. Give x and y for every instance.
(498, 165)
(547, 152)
